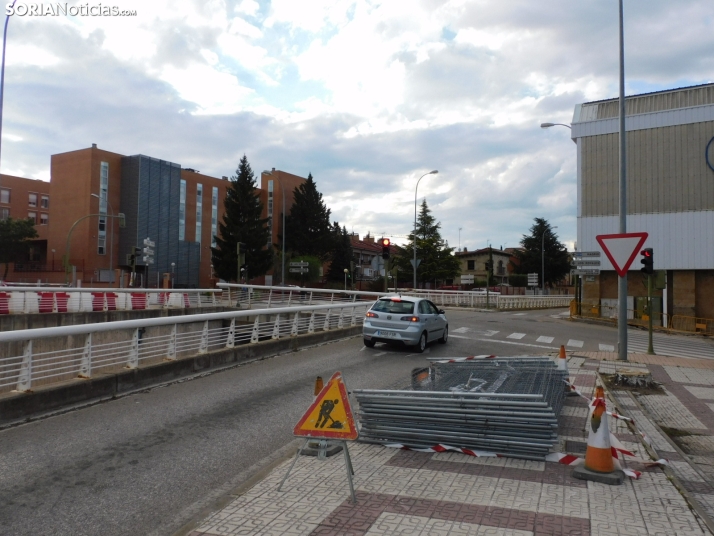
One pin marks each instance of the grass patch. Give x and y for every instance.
(612, 385)
(675, 432)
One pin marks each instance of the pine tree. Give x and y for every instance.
(242, 223)
(437, 260)
(309, 223)
(542, 244)
(341, 254)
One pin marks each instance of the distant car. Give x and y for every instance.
(405, 320)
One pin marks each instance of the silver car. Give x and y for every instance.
(406, 320)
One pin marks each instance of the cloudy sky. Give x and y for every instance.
(367, 95)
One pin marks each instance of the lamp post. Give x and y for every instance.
(460, 238)
(173, 265)
(415, 222)
(542, 258)
(111, 235)
(346, 272)
(282, 190)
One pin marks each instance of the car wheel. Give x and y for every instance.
(421, 345)
(369, 344)
(445, 336)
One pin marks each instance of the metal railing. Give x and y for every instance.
(33, 357)
(28, 300)
(262, 296)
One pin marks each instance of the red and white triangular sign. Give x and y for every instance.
(622, 249)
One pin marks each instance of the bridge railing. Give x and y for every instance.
(28, 300)
(34, 357)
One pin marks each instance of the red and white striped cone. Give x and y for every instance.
(599, 465)
(563, 365)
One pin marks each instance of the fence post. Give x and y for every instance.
(276, 327)
(85, 368)
(270, 296)
(24, 382)
(231, 340)
(171, 354)
(133, 361)
(310, 302)
(294, 330)
(339, 322)
(254, 337)
(326, 325)
(213, 299)
(353, 322)
(311, 326)
(204, 339)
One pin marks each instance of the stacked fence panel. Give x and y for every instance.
(509, 406)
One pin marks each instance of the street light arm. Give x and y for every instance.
(548, 125)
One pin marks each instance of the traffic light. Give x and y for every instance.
(647, 261)
(489, 266)
(385, 247)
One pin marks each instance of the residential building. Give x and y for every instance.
(474, 263)
(670, 194)
(178, 209)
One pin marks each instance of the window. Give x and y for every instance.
(182, 211)
(214, 215)
(470, 265)
(45, 201)
(103, 193)
(44, 219)
(199, 211)
(4, 214)
(32, 216)
(32, 201)
(4, 195)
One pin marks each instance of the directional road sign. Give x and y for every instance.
(330, 415)
(300, 263)
(622, 249)
(582, 262)
(586, 271)
(298, 270)
(586, 254)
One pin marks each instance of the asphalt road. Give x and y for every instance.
(149, 462)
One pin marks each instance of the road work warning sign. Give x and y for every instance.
(330, 415)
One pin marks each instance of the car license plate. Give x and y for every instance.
(386, 334)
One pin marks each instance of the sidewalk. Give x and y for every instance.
(452, 494)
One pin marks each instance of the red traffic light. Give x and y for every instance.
(385, 242)
(646, 252)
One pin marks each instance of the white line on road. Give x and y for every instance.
(507, 342)
(606, 347)
(380, 353)
(545, 339)
(363, 349)
(520, 314)
(458, 336)
(461, 330)
(490, 332)
(516, 336)
(577, 344)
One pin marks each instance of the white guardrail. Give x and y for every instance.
(50, 355)
(28, 300)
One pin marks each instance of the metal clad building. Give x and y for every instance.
(670, 189)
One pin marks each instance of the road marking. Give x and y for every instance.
(606, 347)
(490, 333)
(545, 339)
(503, 342)
(380, 353)
(458, 336)
(516, 336)
(363, 349)
(577, 344)
(461, 330)
(519, 314)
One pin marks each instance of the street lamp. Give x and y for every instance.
(415, 222)
(111, 236)
(282, 190)
(542, 257)
(53, 261)
(173, 264)
(346, 272)
(548, 125)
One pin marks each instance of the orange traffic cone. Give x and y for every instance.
(599, 465)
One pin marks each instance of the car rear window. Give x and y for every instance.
(396, 307)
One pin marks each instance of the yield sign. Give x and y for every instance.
(621, 249)
(330, 415)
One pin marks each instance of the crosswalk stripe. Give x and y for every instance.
(606, 348)
(637, 342)
(516, 336)
(461, 330)
(577, 344)
(545, 339)
(490, 332)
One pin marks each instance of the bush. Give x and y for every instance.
(518, 280)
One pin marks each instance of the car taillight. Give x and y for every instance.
(370, 314)
(410, 318)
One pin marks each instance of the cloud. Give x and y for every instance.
(366, 95)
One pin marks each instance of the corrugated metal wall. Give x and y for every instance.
(666, 171)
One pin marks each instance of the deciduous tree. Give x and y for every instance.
(15, 236)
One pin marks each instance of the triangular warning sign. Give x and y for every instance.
(330, 415)
(621, 249)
